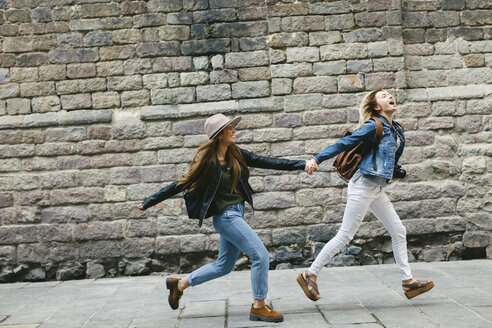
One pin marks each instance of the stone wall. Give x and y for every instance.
(103, 102)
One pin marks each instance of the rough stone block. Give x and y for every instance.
(88, 85)
(304, 23)
(474, 60)
(167, 245)
(173, 96)
(150, 49)
(70, 40)
(291, 70)
(98, 231)
(379, 80)
(252, 44)
(249, 59)
(97, 39)
(77, 101)
(318, 84)
(359, 66)
(52, 72)
(65, 134)
(6, 200)
(174, 32)
(213, 92)
(37, 89)
(32, 59)
(287, 120)
(294, 103)
(180, 18)
(194, 78)
(330, 68)
(99, 10)
(101, 249)
(17, 106)
(135, 98)
(72, 214)
(453, 4)
(302, 54)
(369, 19)
(73, 163)
(388, 64)
(99, 132)
(223, 76)
(105, 100)
(110, 68)
(343, 51)
(133, 7)
(85, 117)
(205, 47)
(173, 64)
(339, 22)
(66, 56)
(250, 89)
(24, 74)
(282, 40)
(120, 83)
(117, 52)
(281, 86)
(324, 117)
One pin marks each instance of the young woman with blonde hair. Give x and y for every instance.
(379, 166)
(216, 184)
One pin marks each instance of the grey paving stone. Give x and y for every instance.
(346, 313)
(296, 320)
(204, 309)
(212, 322)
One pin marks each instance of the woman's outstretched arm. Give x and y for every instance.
(263, 162)
(163, 194)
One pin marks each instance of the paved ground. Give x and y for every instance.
(362, 297)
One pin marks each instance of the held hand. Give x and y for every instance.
(140, 207)
(311, 166)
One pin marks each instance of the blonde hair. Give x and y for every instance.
(367, 108)
(204, 162)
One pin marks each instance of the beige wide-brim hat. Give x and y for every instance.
(216, 123)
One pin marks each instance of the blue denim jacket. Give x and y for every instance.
(378, 160)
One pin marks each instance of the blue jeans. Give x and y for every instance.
(236, 235)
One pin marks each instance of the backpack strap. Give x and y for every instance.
(379, 129)
(401, 125)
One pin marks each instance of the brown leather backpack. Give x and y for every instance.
(348, 161)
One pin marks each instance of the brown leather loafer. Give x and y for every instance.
(265, 314)
(174, 293)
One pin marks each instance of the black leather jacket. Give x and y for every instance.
(198, 200)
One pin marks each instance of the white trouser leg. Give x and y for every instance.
(360, 195)
(385, 212)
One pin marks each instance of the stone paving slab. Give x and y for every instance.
(358, 297)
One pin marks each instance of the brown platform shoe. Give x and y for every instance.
(265, 314)
(174, 293)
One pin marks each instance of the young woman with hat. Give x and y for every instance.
(216, 185)
(366, 190)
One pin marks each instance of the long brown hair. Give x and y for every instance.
(368, 107)
(204, 162)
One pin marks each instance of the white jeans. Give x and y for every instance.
(363, 195)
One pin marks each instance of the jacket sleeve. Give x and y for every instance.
(254, 160)
(363, 134)
(163, 194)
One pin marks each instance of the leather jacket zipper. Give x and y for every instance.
(211, 200)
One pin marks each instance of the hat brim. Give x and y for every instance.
(233, 122)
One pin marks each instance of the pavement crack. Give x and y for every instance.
(322, 314)
(226, 320)
(377, 320)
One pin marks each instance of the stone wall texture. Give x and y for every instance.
(103, 102)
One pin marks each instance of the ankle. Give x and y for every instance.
(182, 284)
(312, 276)
(258, 304)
